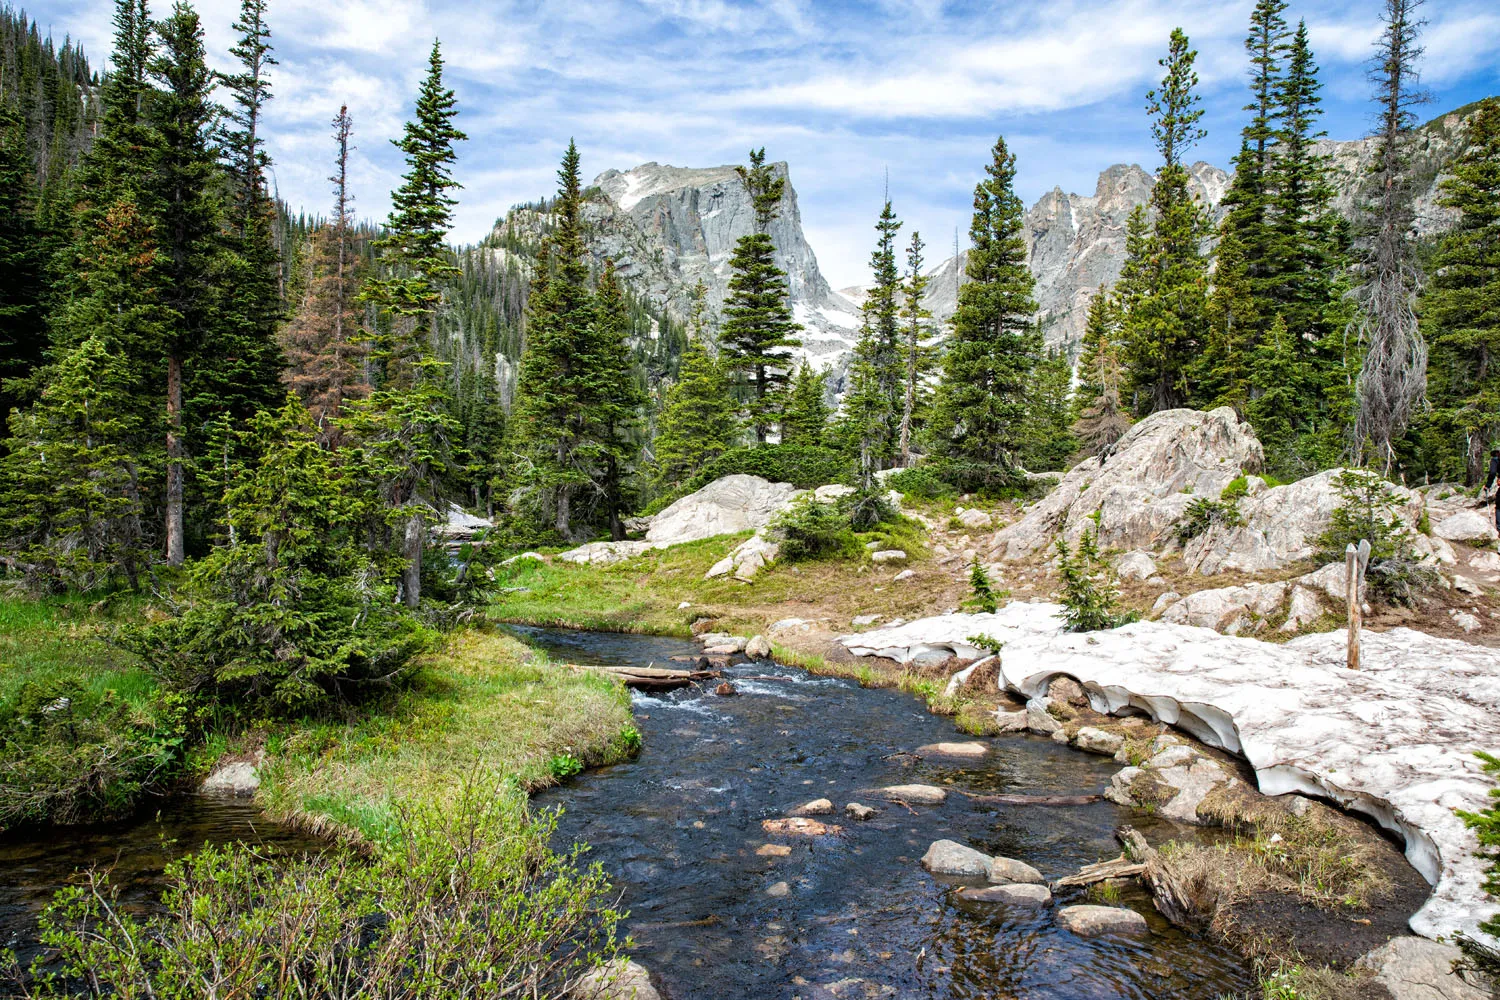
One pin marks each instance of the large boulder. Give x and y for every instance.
(1235, 610)
(948, 857)
(1470, 526)
(1414, 968)
(1143, 487)
(747, 559)
(723, 507)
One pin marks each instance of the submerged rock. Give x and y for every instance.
(855, 810)
(1024, 893)
(1091, 921)
(922, 795)
(953, 750)
(817, 807)
(800, 826)
(948, 857)
(773, 850)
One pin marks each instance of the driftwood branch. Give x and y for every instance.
(1034, 800)
(1121, 867)
(1186, 902)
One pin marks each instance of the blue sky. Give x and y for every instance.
(844, 91)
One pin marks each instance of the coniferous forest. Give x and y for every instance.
(238, 429)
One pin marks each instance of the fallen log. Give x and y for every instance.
(651, 678)
(1121, 867)
(1034, 800)
(1187, 901)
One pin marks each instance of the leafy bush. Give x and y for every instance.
(467, 899)
(804, 466)
(1090, 596)
(69, 755)
(921, 483)
(814, 529)
(290, 612)
(982, 478)
(564, 765)
(1203, 515)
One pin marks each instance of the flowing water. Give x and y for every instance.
(678, 829)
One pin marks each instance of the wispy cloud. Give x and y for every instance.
(843, 90)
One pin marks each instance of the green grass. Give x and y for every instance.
(486, 703)
(55, 641)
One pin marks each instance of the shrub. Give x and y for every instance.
(465, 900)
(290, 612)
(1203, 515)
(1367, 511)
(1090, 597)
(69, 755)
(804, 466)
(982, 478)
(868, 509)
(982, 596)
(921, 483)
(814, 529)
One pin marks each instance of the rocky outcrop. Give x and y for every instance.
(725, 506)
(1394, 740)
(1141, 490)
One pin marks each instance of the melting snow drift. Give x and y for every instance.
(1394, 740)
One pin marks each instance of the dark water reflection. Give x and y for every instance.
(33, 866)
(678, 828)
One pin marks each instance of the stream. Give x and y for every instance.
(678, 828)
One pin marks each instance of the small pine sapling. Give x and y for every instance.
(1090, 596)
(983, 597)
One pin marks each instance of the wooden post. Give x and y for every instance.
(1355, 561)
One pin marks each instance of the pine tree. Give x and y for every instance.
(554, 383)
(1463, 302)
(406, 423)
(1168, 280)
(697, 424)
(917, 357)
(612, 402)
(759, 333)
(324, 364)
(1050, 439)
(22, 333)
(804, 423)
(413, 251)
(1393, 374)
(863, 428)
(189, 224)
(1279, 378)
(883, 307)
(1220, 376)
(979, 414)
(1248, 200)
(70, 501)
(1100, 418)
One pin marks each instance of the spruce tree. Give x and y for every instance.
(1100, 418)
(406, 425)
(1278, 378)
(883, 307)
(863, 428)
(22, 333)
(554, 384)
(697, 423)
(917, 357)
(1168, 281)
(1393, 372)
(979, 414)
(70, 499)
(1463, 303)
(413, 251)
(759, 334)
(189, 218)
(804, 423)
(1050, 440)
(1220, 376)
(613, 399)
(1248, 200)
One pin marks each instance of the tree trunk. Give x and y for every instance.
(616, 526)
(175, 550)
(563, 512)
(411, 550)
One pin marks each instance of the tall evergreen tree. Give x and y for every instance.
(413, 251)
(805, 421)
(1050, 440)
(1393, 373)
(1164, 317)
(883, 307)
(1220, 376)
(553, 387)
(759, 333)
(613, 401)
(917, 356)
(863, 427)
(189, 225)
(406, 422)
(979, 413)
(1463, 302)
(697, 424)
(1248, 199)
(22, 331)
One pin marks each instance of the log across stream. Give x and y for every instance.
(852, 914)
